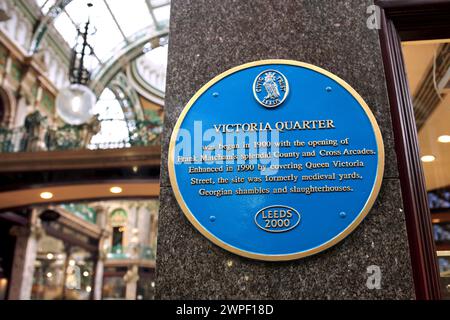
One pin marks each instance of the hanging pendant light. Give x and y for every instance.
(75, 104)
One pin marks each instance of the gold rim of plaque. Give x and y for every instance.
(281, 257)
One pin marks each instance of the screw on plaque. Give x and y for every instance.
(215, 94)
(328, 89)
(342, 214)
(212, 218)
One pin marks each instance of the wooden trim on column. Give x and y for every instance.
(417, 214)
(418, 19)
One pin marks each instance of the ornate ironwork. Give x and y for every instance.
(121, 253)
(36, 135)
(78, 72)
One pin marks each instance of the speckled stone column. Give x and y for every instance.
(208, 37)
(23, 263)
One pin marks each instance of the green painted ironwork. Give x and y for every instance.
(36, 135)
(120, 253)
(82, 211)
(6, 140)
(146, 132)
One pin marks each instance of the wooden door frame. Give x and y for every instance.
(411, 20)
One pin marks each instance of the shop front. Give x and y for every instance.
(66, 257)
(63, 270)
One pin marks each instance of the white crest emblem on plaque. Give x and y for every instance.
(270, 88)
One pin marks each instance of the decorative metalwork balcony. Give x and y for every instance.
(120, 253)
(81, 210)
(35, 135)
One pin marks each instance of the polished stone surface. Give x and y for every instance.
(209, 37)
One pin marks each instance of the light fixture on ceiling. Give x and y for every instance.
(46, 195)
(75, 104)
(115, 190)
(444, 139)
(428, 158)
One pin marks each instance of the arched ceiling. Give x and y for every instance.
(147, 41)
(114, 23)
(121, 32)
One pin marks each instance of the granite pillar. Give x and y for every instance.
(25, 252)
(208, 37)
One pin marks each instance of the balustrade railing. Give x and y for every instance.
(141, 252)
(39, 137)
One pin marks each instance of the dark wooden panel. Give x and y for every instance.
(422, 248)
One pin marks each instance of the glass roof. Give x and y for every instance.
(152, 67)
(113, 21)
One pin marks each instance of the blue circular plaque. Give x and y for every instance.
(276, 160)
